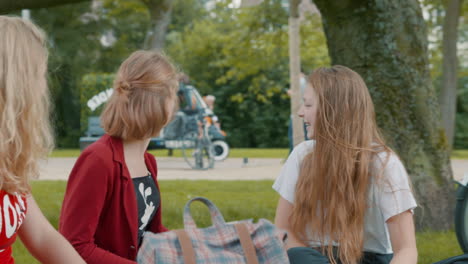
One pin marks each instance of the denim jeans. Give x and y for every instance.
(305, 255)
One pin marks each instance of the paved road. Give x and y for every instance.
(230, 169)
(176, 168)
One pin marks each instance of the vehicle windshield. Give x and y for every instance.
(190, 99)
(199, 100)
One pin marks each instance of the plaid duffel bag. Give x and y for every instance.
(234, 242)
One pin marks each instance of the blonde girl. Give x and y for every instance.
(25, 138)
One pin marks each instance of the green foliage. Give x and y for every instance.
(93, 92)
(74, 34)
(185, 13)
(461, 133)
(434, 14)
(461, 128)
(238, 55)
(127, 21)
(236, 200)
(64, 69)
(241, 57)
(434, 11)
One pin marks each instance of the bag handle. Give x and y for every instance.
(245, 240)
(247, 244)
(186, 245)
(216, 216)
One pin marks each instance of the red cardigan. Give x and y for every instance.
(99, 213)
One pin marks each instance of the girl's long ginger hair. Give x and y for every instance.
(332, 189)
(25, 133)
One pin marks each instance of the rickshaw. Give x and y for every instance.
(194, 130)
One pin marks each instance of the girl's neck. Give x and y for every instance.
(134, 154)
(136, 147)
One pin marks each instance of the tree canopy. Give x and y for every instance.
(239, 55)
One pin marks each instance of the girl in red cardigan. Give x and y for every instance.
(25, 137)
(112, 195)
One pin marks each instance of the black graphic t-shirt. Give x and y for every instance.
(148, 201)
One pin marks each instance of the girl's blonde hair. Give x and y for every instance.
(144, 88)
(25, 132)
(332, 189)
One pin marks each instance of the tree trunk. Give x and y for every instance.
(294, 71)
(385, 42)
(160, 13)
(8, 6)
(448, 92)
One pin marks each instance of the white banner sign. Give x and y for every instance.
(99, 99)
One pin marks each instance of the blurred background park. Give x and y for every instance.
(240, 55)
(413, 54)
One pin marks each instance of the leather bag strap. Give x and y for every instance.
(244, 237)
(247, 244)
(187, 248)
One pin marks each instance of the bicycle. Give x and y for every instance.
(461, 214)
(461, 223)
(197, 148)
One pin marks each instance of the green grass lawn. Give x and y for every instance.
(460, 154)
(235, 153)
(236, 200)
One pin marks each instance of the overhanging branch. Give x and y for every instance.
(8, 6)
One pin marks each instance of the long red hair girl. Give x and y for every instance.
(337, 169)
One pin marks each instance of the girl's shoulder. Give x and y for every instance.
(303, 148)
(390, 171)
(387, 160)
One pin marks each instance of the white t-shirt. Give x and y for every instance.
(389, 197)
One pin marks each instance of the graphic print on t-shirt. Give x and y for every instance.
(12, 213)
(145, 193)
(148, 201)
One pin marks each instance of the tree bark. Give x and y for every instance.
(160, 13)
(448, 92)
(8, 6)
(385, 41)
(294, 71)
